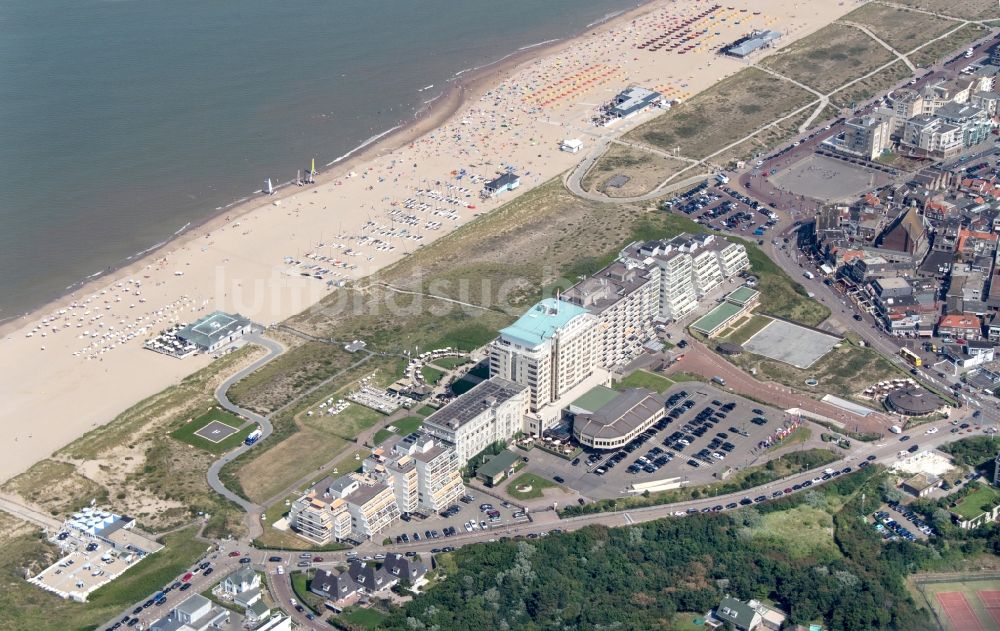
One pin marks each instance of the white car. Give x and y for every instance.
(932, 430)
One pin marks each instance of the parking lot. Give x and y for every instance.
(721, 208)
(703, 432)
(897, 521)
(475, 512)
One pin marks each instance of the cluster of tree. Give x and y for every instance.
(640, 576)
(978, 451)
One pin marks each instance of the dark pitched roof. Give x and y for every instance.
(333, 586)
(405, 568)
(369, 578)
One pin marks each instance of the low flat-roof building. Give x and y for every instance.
(633, 100)
(506, 182)
(736, 305)
(215, 331)
(756, 40)
(498, 467)
(921, 484)
(196, 613)
(619, 421)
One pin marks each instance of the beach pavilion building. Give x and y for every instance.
(215, 331)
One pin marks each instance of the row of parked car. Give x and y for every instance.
(890, 529)
(914, 518)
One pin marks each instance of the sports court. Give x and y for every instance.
(969, 604)
(960, 615)
(791, 343)
(216, 431)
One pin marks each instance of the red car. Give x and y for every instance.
(187, 577)
(234, 553)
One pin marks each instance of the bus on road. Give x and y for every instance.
(912, 358)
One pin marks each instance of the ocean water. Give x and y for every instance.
(122, 121)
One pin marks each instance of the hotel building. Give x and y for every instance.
(492, 411)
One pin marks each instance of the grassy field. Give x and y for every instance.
(779, 294)
(965, 10)
(362, 617)
(644, 379)
(877, 84)
(56, 487)
(449, 363)
(765, 141)
(431, 374)
(538, 484)
(945, 46)
(804, 531)
(829, 58)
(746, 329)
(797, 437)
(844, 371)
(902, 29)
(644, 169)
(187, 433)
(979, 501)
(24, 606)
(722, 114)
(403, 427)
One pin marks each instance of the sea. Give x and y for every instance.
(125, 122)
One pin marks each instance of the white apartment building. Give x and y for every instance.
(932, 136)
(424, 472)
(337, 509)
(492, 411)
(866, 136)
(550, 349)
(625, 300)
(690, 266)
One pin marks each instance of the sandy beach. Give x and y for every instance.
(78, 362)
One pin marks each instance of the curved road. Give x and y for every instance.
(274, 349)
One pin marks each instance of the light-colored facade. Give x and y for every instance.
(625, 300)
(353, 506)
(689, 267)
(550, 349)
(866, 136)
(424, 472)
(490, 412)
(932, 136)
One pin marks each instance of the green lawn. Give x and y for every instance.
(799, 435)
(431, 374)
(403, 427)
(426, 410)
(300, 585)
(449, 363)
(367, 618)
(979, 501)
(644, 379)
(537, 484)
(187, 432)
(749, 328)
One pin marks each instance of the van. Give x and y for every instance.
(808, 275)
(719, 380)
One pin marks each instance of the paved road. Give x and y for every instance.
(274, 349)
(18, 508)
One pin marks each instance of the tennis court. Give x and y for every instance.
(963, 602)
(960, 615)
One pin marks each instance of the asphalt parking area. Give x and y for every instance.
(665, 446)
(468, 513)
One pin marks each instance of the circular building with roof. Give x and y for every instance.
(913, 401)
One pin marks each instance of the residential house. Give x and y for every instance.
(960, 326)
(737, 613)
(195, 613)
(242, 586)
(407, 569)
(369, 578)
(338, 588)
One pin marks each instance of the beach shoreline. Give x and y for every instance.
(248, 258)
(424, 120)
